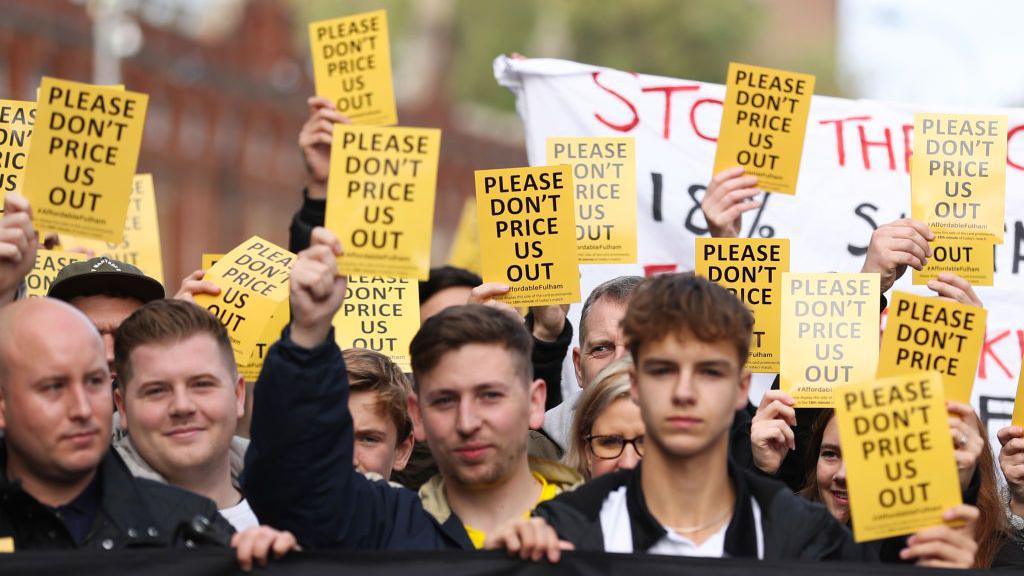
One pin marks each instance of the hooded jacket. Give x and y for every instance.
(792, 528)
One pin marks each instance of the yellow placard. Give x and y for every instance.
(900, 469)
(209, 260)
(527, 232)
(352, 66)
(48, 264)
(16, 121)
(930, 334)
(465, 250)
(140, 244)
(251, 367)
(1018, 403)
(972, 260)
(604, 190)
(958, 175)
(764, 119)
(380, 199)
(752, 270)
(381, 314)
(253, 279)
(829, 334)
(82, 158)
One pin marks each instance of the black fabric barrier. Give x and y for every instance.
(220, 563)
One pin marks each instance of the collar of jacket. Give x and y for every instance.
(435, 501)
(119, 504)
(139, 468)
(740, 536)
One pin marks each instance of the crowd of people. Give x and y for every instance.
(126, 422)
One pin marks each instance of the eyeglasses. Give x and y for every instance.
(611, 447)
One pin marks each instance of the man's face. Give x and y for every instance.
(106, 314)
(604, 343)
(454, 296)
(55, 405)
(181, 405)
(688, 392)
(475, 410)
(377, 445)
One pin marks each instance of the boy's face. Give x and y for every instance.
(475, 410)
(378, 448)
(688, 392)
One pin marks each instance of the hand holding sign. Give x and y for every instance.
(317, 290)
(951, 287)
(896, 245)
(18, 245)
(315, 141)
(946, 546)
(730, 194)
(967, 441)
(486, 294)
(1011, 462)
(770, 434)
(194, 284)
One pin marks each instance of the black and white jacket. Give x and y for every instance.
(769, 521)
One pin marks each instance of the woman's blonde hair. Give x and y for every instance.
(610, 384)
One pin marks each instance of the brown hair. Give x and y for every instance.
(810, 490)
(610, 385)
(674, 303)
(374, 372)
(162, 321)
(458, 326)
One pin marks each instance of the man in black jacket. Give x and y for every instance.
(689, 339)
(61, 487)
(299, 473)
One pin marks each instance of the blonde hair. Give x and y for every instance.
(611, 384)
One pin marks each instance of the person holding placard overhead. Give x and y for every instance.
(826, 484)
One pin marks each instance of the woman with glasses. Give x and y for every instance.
(607, 432)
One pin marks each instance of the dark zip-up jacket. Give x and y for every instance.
(793, 528)
(298, 469)
(132, 513)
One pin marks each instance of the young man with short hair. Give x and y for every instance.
(689, 339)
(181, 396)
(378, 393)
(475, 402)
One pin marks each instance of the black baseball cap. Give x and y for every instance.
(104, 276)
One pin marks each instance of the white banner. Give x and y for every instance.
(854, 176)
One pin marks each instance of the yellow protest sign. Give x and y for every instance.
(48, 264)
(82, 158)
(250, 368)
(380, 314)
(764, 118)
(1018, 403)
(829, 334)
(972, 260)
(465, 249)
(209, 260)
(958, 175)
(930, 334)
(900, 469)
(352, 66)
(16, 121)
(752, 270)
(527, 232)
(604, 190)
(253, 279)
(380, 199)
(140, 244)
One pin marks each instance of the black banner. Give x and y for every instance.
(221, 563)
